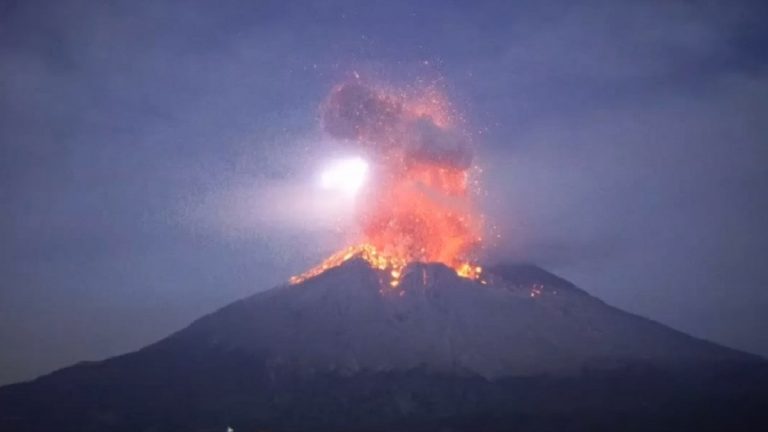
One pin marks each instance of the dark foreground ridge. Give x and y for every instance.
(526, 352)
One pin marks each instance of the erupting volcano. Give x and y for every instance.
(335, 351)
(419, 206)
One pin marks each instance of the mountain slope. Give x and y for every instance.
(339, 321)
(339, 352)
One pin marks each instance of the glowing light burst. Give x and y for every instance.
(419, 208)
(345, 175)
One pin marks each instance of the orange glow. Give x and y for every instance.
(433, 105)
(419, 208)
(391, 264)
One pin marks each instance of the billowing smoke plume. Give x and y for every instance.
(418, 206)
(417, 128)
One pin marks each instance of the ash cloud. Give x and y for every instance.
(382, 123)
(355, 110)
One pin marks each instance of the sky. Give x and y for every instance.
(152, 154)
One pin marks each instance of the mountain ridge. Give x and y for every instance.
(345, 351)
(451, 323)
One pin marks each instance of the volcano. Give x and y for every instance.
(525, 350)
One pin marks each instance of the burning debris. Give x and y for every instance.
(418, 207)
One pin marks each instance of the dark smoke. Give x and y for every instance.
(355, 111)
(383, 123)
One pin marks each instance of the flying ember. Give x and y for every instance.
(416, 205)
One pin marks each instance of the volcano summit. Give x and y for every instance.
(527, 350)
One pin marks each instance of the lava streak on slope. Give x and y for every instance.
(418, 206)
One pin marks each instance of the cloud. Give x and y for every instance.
(383, 121)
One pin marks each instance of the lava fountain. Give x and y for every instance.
(418, 206)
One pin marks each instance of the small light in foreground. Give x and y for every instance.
(347, 175)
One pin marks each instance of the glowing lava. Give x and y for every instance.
(391, 264)
(416, 206)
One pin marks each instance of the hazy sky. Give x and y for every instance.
(150, 153)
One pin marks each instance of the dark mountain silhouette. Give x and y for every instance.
(525, 351)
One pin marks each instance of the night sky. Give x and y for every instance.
(152, 154)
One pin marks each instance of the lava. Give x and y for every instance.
(418, 208)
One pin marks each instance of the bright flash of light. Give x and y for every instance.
(345, 175)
